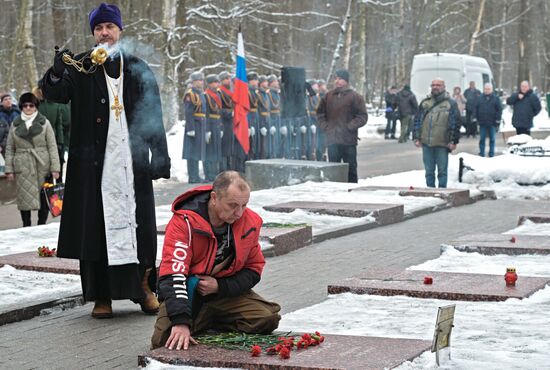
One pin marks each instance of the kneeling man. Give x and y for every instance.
(211, 259)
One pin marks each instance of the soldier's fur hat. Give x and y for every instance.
(212, 78)
(223, 75)
(262, 78)
(321, 81)
(196, 76)
(271, 78)
(252, 76)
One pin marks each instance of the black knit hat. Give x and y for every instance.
(28, 98)
(343, 74)
(105, 13)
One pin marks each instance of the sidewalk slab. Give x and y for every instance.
(537, 218)
(446, 285)
(454, 197)
(337, 352)
(33, 262)
(383, 213)
(491, 244)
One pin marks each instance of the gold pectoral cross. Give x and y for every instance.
(117, 107)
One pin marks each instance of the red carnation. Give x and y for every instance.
(306, 337)
(284, 353)
(255, 350)
(513, 239)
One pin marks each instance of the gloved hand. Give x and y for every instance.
(58, 64)
(273, 130)
(251, 131)
(263, 131)
(191, 133)
(303, 129)
(221, 134)
(284, 131)
(313, 129)
(208, 137)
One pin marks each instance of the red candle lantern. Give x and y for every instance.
(510, 277)
(428, 280)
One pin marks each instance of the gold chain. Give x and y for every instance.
(117, 107)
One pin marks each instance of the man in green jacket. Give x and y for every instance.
(437, 131)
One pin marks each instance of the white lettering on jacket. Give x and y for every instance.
(178, 269)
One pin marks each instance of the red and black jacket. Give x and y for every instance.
(190, 249)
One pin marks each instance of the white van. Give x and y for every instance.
(454, 69)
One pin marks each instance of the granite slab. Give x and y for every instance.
(537, 218)
(455, 197)
(383, 213)
(272, 173)
(446, 285)
(33, 262)
(285, 238)
(338, 352)
(491, 244)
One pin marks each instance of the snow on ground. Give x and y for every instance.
(155, 365)
(530, 228)
(29, 286)
(486, 335)
(452, 260)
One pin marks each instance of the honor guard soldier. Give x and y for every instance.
(227, 119)
(253, 121)
(214, 133)
(264, 109)
(276, 150)
(194, 144)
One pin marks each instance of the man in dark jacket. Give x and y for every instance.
(340, 114)
(391, 112)
(437, 131)
(526, 106)
(471, 94)
(487, 113)
(211, 260)
(118, 146)
(8, 111)
(406, 107)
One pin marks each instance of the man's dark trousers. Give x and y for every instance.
(347, 154)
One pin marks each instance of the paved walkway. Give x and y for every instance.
(72, 339)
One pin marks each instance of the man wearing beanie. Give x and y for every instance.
(340, 114)
(117, 147)
(407, 107)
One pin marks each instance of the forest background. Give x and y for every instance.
(375, 39)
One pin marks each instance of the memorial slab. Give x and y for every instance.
(337, 352)
(383, 213)
(272, 173)
(537, 218)
(491, 244)
(445, 285)
(454, 197)
(285, 238)
(33, 262)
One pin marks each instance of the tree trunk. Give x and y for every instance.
(347, 47)
(361, 59)
(473, 39)
(502, 47)
(401, 74)
(169, 87)
(340, 43)
(58, 22)
(523, 44)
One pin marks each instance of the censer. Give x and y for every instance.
(88, 63)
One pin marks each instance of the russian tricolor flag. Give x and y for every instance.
(240, 98)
